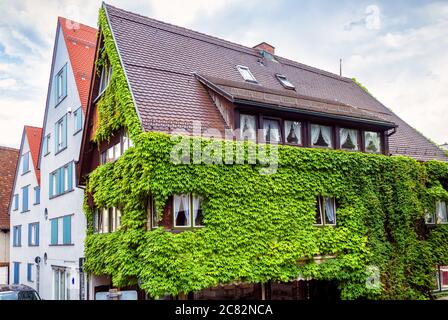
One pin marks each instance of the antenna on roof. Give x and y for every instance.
(340, 67)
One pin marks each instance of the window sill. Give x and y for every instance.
(24, 173)
(60, 150)
(60, 101)
(325, 225)
(46, 154)
(25, 211)
(60, 195)
(76, 132)
(15, 246)
(33, 245)
(62, 245)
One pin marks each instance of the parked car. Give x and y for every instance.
(18, 292)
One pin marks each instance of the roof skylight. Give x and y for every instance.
(285, 82)
(246, 74)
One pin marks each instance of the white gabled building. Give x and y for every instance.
(61, 208)
(25, 212)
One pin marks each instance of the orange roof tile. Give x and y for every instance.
(34, 136)
(80, 41)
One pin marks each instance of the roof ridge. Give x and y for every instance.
(87, 27)
(9, 148)
(222, 41)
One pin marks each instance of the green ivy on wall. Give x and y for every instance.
(261, 227)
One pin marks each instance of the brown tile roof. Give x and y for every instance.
(80, 41)
(160, 61)
(8, 160)
(34, 136)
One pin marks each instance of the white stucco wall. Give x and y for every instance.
(69, 203)
(65, 256)
(24, 254)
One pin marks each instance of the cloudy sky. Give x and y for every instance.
(397, 49)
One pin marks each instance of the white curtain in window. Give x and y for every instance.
(292, 132)
(271, 130)
(326, 134)
(247, 127)
(315, 131)
(352, 133)
(372, 142)
(441, 212)
(196, 206)
(186, 205)
(177, 203)
(329, 210)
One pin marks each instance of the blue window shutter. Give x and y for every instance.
(16, 272)
(14, 236)
(25, 198)
(19, 235)
(56, 137)
(36, 233)
(29, 272)
(25, 162)
(67, 228)
(50, 191)
(70, 176)
(30, 227)
(61, 180)
(36, 195)
(54, 231)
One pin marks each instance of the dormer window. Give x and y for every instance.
(246, 74)
(285, 82)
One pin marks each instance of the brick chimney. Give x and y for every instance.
(265, 47)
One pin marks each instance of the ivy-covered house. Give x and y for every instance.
(342, 215)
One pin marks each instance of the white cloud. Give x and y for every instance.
(400, 57)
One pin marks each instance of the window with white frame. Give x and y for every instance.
(248, 127)
(46, 144)
(285, 82)
(16, 202)
(26, 163)
(349, 139)
(439, 216)
(77, 116)
(61, 84)
(116, 151)
(61, 281)
(61, 180)
(321, 136)
(372, 142)
(106, 220)
(17, 236)
(293, 132)
(325, 211)
(271, 130)
(106, 73)
(33, 234)
(61, 134)
(246, 74)
(187, 211)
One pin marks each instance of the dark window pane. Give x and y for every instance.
(318, 211)
(293, 132)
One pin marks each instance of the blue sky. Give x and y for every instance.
(397, 49)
